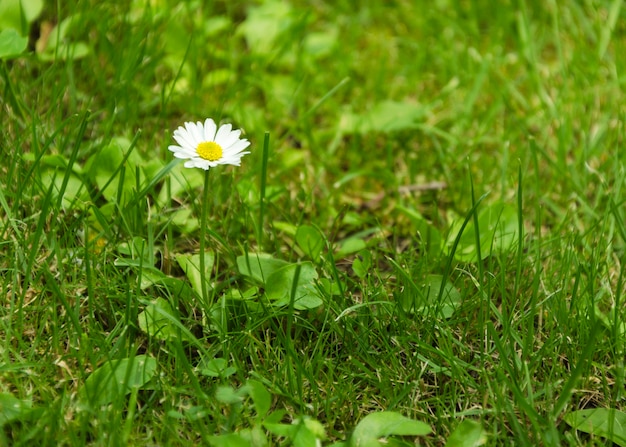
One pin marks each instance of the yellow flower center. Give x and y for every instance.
(209, 150)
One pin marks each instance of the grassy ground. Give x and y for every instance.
(436, 189)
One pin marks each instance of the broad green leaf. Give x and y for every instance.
(158, 321)
(15, 13)
(255, 435)
(191, 266)
(12, 408)
(375, 426)
(218, 77)
(235, 294)
(184, 220)
(217, 367)
(319, 44)
(149, 275)
(60, 45)
(229, 395)
(285, 227)
(304, 436)
(136, 249)
(66, 51)
(362, 263)
(498, 230)
(468, 434)
(260, 396)
(613, 319)
(75, 193)
(386, 117)
(604, 422)
(330, 288)
(429, 235)
(11, 43)
(280, 284)
(117, 378)
(104, 169)
(350, 246)
(311, 241)
(181, 181)
(248, 192)
(229, 440)
(259, 266)
(303, 432)
(427, 295)
(264, 25)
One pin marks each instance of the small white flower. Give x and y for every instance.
(205, 146)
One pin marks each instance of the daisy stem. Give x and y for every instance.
(203, 217)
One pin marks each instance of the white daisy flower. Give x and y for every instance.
(205, 146)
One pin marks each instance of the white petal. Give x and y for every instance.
(237, 147)
(189, 127)
(182, 155)
(188, 152)
(185, 137)
(234, 156)
(236, 160)
(222, 133)
(231, 158)
(197, 163)
(209, 130)
(192, 133)
(230, 139)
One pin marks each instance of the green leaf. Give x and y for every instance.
(255, 435)
(217, 367)
(75, 192)
(136, 249)
(468, 434)
(11, 44)
(427, 296)
(303, 432)
(319, 44)
(260, 396)
(12, 408)
(117, 378)
(229, 440)
(191, 266)
(362, 263)
(350, 246)
(387, 423)
(280, 284)
(498, 230)
(104, 168)
(386, 117)
(429, 235)
(330, 288)
(605, 422)
(60, 44)
(158, 321)
(182, 180)
(229, 395)
(311, 241)
(264, 25)
(16, 13)
(259, 266)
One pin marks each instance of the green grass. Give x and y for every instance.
(442, 181)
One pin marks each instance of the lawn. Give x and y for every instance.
(423, 246)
